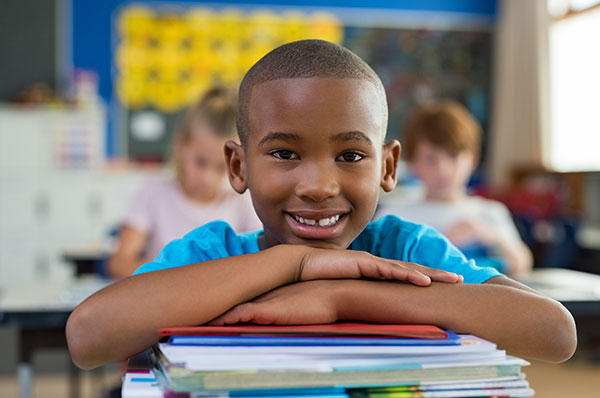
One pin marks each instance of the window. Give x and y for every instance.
(575, 85)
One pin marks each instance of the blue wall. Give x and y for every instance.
(92, 27)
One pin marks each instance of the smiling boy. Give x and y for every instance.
(312, 118)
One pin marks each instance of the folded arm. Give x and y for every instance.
(516, 318)
(122, 319)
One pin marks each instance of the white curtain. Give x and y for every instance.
(519, 128)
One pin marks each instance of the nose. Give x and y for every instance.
(317, 182)
(444, 167)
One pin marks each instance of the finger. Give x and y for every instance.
(437, 275)
(417, 278)
(218, 321)
(448, 277)
(376, 268)
(381, 269)
(443, 276)
(419, 275)
(238, 314)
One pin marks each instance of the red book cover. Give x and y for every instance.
(335, 329)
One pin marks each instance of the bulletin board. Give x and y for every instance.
(166, 57)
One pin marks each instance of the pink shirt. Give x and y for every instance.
(162, 211)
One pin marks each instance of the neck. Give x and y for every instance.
(262, 242)
(450, 195)
(199, 197)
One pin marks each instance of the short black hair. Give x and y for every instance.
(304, 59)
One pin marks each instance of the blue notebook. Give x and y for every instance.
(452, 339)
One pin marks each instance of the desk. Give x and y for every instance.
(86, 261)
(579, 292)
(40, 312)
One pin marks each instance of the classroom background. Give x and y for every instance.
(90, 93)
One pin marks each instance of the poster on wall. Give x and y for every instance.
(166, 57)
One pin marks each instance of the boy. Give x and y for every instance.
(311, 120)
(441, 145)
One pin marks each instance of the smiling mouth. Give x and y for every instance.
(322, 222)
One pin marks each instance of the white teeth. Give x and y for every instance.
(324, 222)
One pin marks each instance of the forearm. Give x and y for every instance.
(121, 266)
(520, 321)
(517, 255)
(128, 256)
(122, 320)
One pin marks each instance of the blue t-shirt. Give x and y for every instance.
(389, 237)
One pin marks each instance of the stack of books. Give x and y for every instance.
(338, 360)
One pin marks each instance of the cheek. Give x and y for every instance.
(421, 170)
(195, 170)
(189, 166)
(221, 174)
(363, 191)
(268, 198)
(463, 172)
(268, 185)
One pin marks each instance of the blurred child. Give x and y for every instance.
(312, 118)
(441, 144)
(165, 208)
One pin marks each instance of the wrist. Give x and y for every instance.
(335, 295)
(342, 297)
(294, 258)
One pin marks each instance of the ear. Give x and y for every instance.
(389, 165)
(474, 160)
(235, 157)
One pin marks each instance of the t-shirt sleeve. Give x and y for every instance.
(426, 246)
(139, 212)
(210, 242)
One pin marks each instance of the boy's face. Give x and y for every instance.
(314, 159)
(441, 172)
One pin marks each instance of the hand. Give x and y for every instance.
(469, 231)
(351, 264)
(302, 303)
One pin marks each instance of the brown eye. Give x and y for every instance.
(350, 157)
(284, 155)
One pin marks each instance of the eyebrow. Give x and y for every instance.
(278, 136)
(352, 135)
(345, 136)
